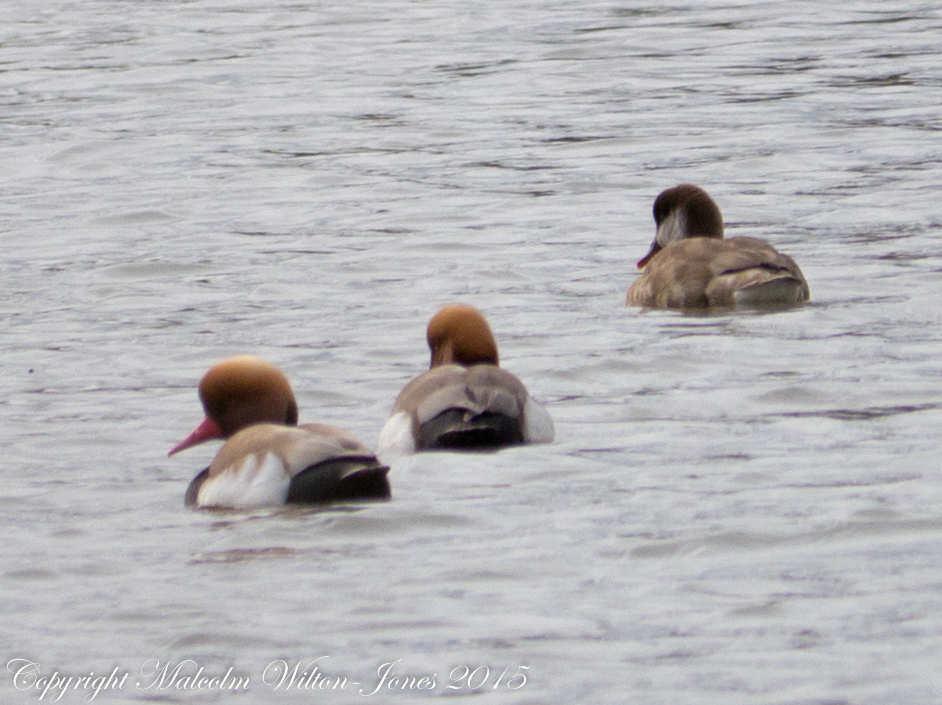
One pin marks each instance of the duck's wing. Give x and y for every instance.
(749, 271)
(480, 407)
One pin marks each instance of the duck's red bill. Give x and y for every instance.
(655, 248)
(206, 431)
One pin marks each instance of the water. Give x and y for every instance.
(739, 508)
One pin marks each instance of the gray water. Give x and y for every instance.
(739, 508)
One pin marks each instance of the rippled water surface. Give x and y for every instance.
(741, 507)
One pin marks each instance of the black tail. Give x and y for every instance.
(340, 479)
(458, 429)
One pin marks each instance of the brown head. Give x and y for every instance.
(681, 212)
(459, 335)
(238, 393)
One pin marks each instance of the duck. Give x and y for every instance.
(267, 458)
(465, 401)
(691, 265)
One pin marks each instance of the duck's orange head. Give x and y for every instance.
(460, 335)
(238, 393)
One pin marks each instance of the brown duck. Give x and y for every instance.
(690, 265)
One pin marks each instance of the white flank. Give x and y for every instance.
(258, 481)
(538, 424)
(396, 437)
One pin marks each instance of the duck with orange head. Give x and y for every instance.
(267, 459)
(465, 401)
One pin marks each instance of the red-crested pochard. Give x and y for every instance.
(690, 265)
(267, 458)
(465, 401)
